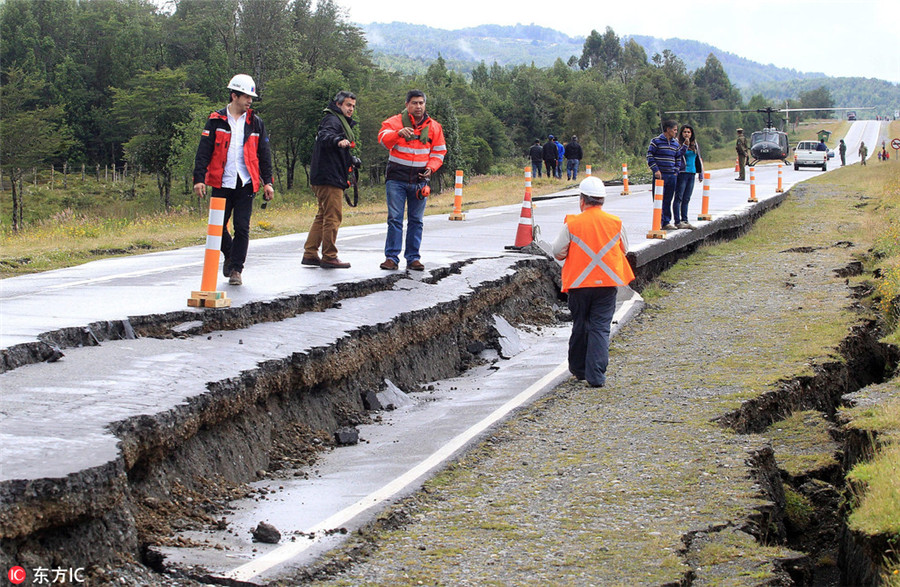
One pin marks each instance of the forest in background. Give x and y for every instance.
(109, 83)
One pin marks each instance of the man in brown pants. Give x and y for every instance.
(329, 170)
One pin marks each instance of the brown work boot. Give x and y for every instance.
(311, 260)
(415, 266)
(389, 265)
(235, 278)
(333, 264)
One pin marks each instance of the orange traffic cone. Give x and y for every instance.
(525, 232)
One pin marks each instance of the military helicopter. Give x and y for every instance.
(768, 144)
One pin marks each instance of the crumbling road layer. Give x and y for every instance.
(140, 421)
(665, 476)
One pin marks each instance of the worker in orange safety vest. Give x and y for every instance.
(417, 149)
(593, 245)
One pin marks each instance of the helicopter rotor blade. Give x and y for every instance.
(825, 108)
(703, 111)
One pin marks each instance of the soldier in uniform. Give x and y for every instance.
(743, 154)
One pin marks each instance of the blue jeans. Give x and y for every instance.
(400, 196)
(592, 312)
(536, 168)
(559, 166)
(572, 169)
(684, 187)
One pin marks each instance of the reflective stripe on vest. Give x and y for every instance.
(596, 261)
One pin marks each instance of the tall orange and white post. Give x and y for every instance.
(525, 230)
(457, 198)
(625, 191)
(587, 170)
(779, 189)
(656, 230)
(752, 185)
(208, 297)
(704, 212)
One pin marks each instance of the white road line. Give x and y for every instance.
(288, 551)
(141, 272)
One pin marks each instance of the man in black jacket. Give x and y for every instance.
(537, 155)
(574, 154)
(551, 153)
(234, 159)
(329, 170)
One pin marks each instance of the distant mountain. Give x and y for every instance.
(410, 48)
(741, 71)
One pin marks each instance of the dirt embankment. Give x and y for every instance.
(679, 472)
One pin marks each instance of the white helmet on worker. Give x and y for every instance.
(243, 83)
(593, 189)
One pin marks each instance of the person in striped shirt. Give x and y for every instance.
(663, 157)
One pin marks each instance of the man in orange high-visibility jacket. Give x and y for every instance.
(417, 149)
(593, 245)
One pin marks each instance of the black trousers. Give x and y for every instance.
(238, 207)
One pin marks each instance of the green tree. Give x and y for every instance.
(201, 37)
(153, 110)
(264, 26)
(31, 135)
(294, 106)
(602, 53)
(715, 89)
(817, 98)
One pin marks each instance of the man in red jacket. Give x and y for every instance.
(417, 148)
(234, 159)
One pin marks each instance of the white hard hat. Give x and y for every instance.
(592, 187)
(243, 83)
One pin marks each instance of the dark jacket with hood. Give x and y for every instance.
(330, 164)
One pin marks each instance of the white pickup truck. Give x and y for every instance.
(806, 154)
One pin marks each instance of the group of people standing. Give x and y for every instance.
(551, 155)
(674, 157)
(235, 160)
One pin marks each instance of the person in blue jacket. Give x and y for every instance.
(560, 153)
(690, 165)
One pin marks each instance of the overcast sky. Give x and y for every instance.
(837, 37)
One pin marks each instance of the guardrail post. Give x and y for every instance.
(457, 198)
(656, 230)
(208, 297)
(752, 185)
(704, 212)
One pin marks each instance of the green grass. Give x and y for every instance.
(878, 511)
(802, 443)
(798, 509)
